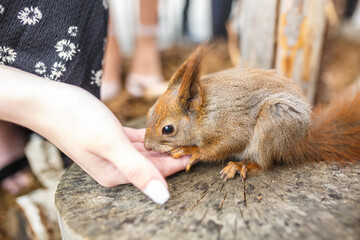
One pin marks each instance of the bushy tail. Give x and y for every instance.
(335, 131)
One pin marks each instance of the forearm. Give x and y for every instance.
(29, 100)
(45, 106)
(22, 96)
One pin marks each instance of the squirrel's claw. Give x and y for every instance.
(188, 166)
(191, 162)
(243, 172)
(228, 172)
(232, 168)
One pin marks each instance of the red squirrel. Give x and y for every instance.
(255, 116)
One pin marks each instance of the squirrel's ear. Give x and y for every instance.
(187, 77)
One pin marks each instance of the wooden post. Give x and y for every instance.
(300, 39)
(257, 41)
(287, 35)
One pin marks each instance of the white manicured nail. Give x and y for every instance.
(157, 192)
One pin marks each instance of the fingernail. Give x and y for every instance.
(157, 192)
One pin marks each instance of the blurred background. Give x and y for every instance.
(315, 42)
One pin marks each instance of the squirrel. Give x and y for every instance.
(255, 116)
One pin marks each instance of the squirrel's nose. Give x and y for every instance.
(147, 145)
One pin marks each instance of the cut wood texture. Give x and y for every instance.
(305, 202)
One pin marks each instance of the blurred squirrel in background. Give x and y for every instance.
(258, 117)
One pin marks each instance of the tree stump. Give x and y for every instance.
(315, 201)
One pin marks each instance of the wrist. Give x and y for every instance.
(29, 99)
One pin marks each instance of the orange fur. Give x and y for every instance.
(335, 131)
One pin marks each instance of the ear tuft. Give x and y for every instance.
(190, 69)
(187, 77)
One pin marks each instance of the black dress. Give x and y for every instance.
(60, 40)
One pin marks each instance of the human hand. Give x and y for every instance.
(104, 151)
(85, 130)
(167, 165)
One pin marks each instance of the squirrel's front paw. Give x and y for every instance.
(182, 151)
(178, 152)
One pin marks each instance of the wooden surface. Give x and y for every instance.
(306, 202)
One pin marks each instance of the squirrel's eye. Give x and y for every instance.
(168, 129)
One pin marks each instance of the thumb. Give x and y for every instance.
(143, 174)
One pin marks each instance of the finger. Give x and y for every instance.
(168, 165)
(109, 175)
(140, 147)
(135, 135)
(142, 173)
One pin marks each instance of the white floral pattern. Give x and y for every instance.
(73, 30)
(30, 15)
(66, 49)
(40, 68)
(2, 9)
(7, 55)
(59, 54)
(96, 77)
(105, 4)
(57, 71)
(49, 77)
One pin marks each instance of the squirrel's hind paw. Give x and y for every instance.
(228, 172)
(232, 168)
